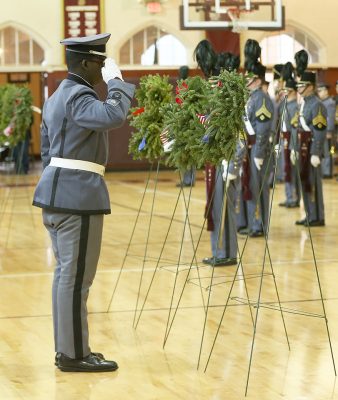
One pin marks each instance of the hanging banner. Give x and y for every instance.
(82, 17)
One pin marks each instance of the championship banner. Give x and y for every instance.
(82, 18)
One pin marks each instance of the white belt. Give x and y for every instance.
(77, 164)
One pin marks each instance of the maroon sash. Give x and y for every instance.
(210, 173)
(247, 195)
(287, 162)
(304, 139)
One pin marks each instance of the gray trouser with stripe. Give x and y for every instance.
(327, 160)
(314, 201)
(224, 245)
(258, 206)
(293, 189)
(76, 241)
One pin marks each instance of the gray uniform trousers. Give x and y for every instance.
(76, 241)
(293, 188)
(226, 246)
(314, 201)
(327, 160)
(258, 206)
(241, 209)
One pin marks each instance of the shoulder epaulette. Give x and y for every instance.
(263, 114)
(319, 121)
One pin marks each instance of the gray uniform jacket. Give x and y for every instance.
(260, 114)
(74, 126)
(314, 114)
(330, 106)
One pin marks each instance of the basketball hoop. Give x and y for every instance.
(234, 13)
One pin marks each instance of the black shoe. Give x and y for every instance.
(57, 356)
(301, 222)
(240, 228)
(283, 204)
(244, 231)
(219, 262)
(91, 363)
(184, 184)
(327, 176)
(256, 234)
(293, 204)
(320, 222)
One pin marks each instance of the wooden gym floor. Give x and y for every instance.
(178, 294)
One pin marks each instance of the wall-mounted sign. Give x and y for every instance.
(82, 17)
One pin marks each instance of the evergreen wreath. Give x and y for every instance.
(183, 120)
(225, 123)
(15, 113)
(154, 92)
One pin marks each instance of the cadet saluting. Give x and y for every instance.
(72, 191)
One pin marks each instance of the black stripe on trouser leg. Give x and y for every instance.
(227, 227)
(77, 295)
(315, 179)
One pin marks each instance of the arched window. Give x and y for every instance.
(140, 49)
(281, 47)
(18, 48)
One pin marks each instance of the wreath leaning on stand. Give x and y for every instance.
(225, 124)
(15, 113)
(184, 122)
(155, 91)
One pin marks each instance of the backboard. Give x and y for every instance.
(235, 15)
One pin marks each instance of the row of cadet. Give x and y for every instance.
(290, 137)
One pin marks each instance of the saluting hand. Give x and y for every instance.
(110, 70)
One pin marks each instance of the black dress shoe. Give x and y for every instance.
(293, 204)
(256, 234)
(57, 356)
(219, 262)
(319, 222)
(91, 363)
(184, 184)
(301, 221)
(244, 231)
(283, 204)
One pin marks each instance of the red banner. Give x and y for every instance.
(82, 18)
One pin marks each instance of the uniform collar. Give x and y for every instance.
(78, 79)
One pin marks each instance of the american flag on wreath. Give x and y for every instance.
(202, 118)
(166, 143)
(164, 136)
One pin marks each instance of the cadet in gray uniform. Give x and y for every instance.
(311, 135)
(329, 144)
(223, 234)
(258, 123)
(289, 142)
(72, 191)
(223, 237)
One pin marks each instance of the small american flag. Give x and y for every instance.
(164, 136)
(202, 118)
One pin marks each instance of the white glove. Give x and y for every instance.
(293, 157)
(227, 177)
(276, 149)
(315, 161)
(258, 162)
(110, 70)
(167, 147)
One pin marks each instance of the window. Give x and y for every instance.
(18, 48)
(281, 47)
(153, 46)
